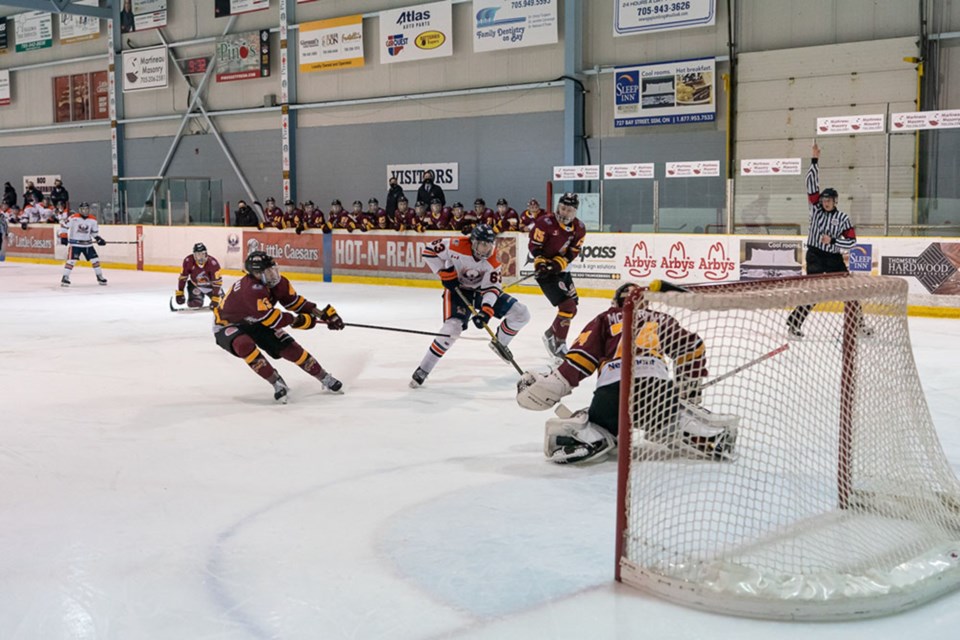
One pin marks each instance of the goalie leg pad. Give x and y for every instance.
(576, 440)
(539, 392)
(704, 434)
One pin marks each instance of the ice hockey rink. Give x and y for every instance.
(153, 489)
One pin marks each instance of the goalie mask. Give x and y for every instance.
(483, 241)
(200, 253)
(262, 267)
(567, 208)
(623, 293)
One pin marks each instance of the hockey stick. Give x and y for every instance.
(501, 349)
(397, 329)
(123, 242)
(746, 365)
(516, 282)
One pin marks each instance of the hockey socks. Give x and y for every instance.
(561, 324)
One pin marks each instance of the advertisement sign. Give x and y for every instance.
(916, 120)
(295, 252)
(243, 56)
(577, 172)
(643, 16)
(637, 171)
(676, 92)
(5, 97)
(705, 169)
(34, 242)
(223, 8)
(33, 30)
(140, 15)
(80, 96)
(4, 41)
(770, 259)
(416, 33)
(75, 28)
(145, 69)
(861, 258)
(507, 24)
(935, 267)
(770, 167)
(43, 183)
(331, 44)
(850, 124)
(409, 176)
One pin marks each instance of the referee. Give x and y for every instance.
(831, 233)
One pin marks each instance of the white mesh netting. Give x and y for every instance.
(839, 502)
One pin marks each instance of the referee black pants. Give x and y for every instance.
(817, 262)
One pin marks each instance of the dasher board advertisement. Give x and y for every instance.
(508, 24)
(419, 32)
(643, 16)
(331, 44)
(677, 92)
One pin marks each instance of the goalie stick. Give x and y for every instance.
(746, 365)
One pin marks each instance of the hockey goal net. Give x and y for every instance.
(839, 502)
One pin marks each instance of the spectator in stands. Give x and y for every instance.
(393, 195)
(9, 195)
(244, 216)
(59, 194)
(429, 190)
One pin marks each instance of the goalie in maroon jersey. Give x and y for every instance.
(200, 275)
(674, 419)
(555, 242)
(248, 322)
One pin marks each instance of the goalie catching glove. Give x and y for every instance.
(540, 391)
(328, 316)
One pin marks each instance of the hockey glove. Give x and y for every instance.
(214, 302)
(483, 316)
(299, 229)
(330, 317)
(100, 241)
(64, 242)
(304, 321)
(449, 278)
(23, 225)
(181, 299)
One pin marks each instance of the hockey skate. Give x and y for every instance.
(502, 351)
(101, 281)
(704, 434)
(280, 390)
(64, 281)
(419, 376)
(331, 384)
(555, 347)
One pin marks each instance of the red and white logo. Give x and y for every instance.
(640, 263)
(677, 265)
(717, 266)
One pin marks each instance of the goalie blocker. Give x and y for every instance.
(672, 419)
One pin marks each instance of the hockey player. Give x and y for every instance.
(273, 215)
(376, 216)
(201, 275)
(484, 214)
(292, 215)
(457, 218)
(312, 218)
(469, 266)
(529, 216)
(248, 319)
(508, 218)
(555, 241)
(673, 419)
(402, 214)
(82, 232)
(349, 221)
(436, 219)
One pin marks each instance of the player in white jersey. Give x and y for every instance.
(469, 267)
(82, 232)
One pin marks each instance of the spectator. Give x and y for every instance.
(429, 190)
(393, 196)
(9, 195)
(245, 216)
(59, 194)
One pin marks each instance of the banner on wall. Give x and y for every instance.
(409, 176)
(4, 42)
(331, 44)
(141, 15)
(704, 169)
(770, 167)
(74, 28)
(676, 92)
(636, 171)
(643, 16)
(916, 120)
(43, 183)
(5, 98)
(507, 24)
(577, 172)
(223, 8)
(33, 30)
(416, 33)
(145, 69)
(243, 56)
(835, 125)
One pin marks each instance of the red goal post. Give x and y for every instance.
(840, 503)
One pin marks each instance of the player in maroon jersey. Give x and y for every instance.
(273, 215)
(402, 215)
(377, 216)
(292, 215)
(201, 276)
(457, 218)
(312, 218)
(484, 214)
(248, 321)
(509, 220)
(530, 215)
(555, 241)
(675, 420)
(349, 221)
(436, 218)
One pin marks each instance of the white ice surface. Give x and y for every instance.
(152, 489)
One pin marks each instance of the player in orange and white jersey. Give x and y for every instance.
(469, 267)
(82, 232)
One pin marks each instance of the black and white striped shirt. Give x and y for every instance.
(835, 224)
